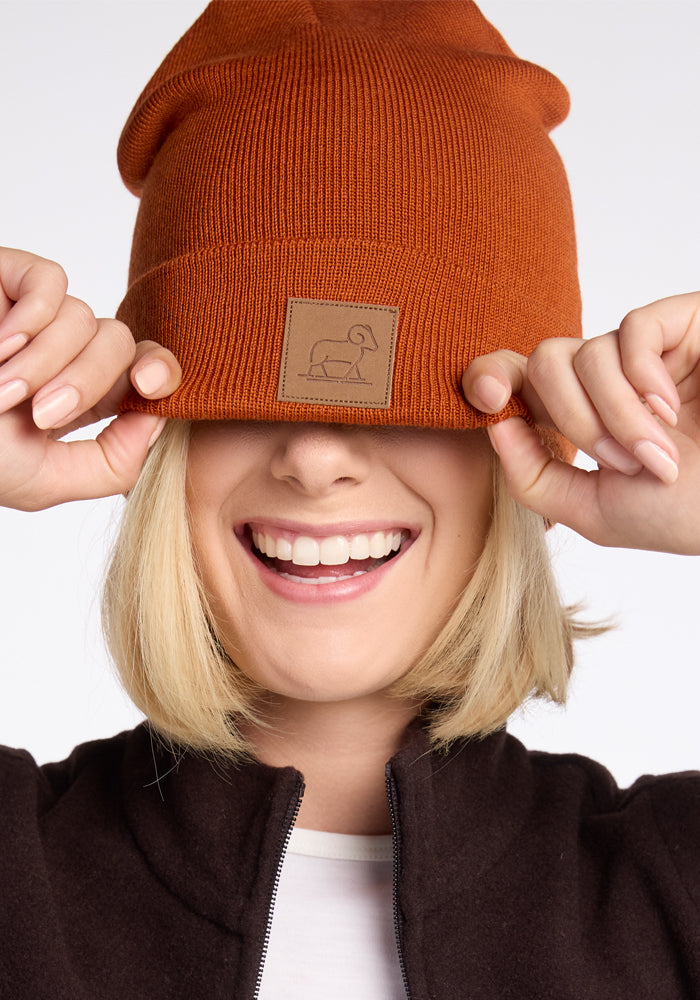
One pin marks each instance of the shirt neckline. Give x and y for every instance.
(340, 846)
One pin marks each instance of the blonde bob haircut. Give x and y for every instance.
(508, 638)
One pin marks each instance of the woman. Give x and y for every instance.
(317, 573)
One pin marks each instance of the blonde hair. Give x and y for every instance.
(508, 638)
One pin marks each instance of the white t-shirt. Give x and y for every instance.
(332, 929)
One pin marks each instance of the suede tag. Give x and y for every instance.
(338, 353)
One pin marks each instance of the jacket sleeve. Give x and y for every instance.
(675, 804)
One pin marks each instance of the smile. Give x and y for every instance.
(324, 559)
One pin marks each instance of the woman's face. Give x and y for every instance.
(333, 555)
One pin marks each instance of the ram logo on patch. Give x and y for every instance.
(338, 353)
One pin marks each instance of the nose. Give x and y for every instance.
(317, 459)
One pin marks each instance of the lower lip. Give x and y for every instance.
(319, 593)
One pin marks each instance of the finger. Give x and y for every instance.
(155, 371)
(158, 371)
(558, 492)
(598, 365)
(659, 345)
(48, 353)
(85, 381)
(490, 380)
(107, 466)
(32, 291)
(569, 408)
(546, 381)
(106, 405)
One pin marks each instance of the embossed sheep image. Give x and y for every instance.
(339, 360)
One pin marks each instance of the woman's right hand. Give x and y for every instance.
(61, 369)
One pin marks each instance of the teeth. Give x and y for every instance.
(331, 550)
(359, 547)
(305, 551)
(284, 549)
(378, 545)
(334, 550)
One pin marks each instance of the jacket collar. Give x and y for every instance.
(458, 813)
(214, 832)
(203, 826)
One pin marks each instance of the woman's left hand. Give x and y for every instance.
(631, 400)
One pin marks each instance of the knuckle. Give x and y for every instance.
(47, 294)
(510, 365)
(509, 361)
(633, 318)
(543, 362)
(81, 315)
(56, 273)
(43, 307)
(121, 338)
(590, 357)
(51, 274)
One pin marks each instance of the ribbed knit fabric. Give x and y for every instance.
(392, 153)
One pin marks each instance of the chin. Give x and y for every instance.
(323, 679)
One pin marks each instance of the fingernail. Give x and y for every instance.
(611, 453)
(151, 377)
(55, 408)
(657, 461)
(491, 392)
(12, 345)
(156, 433)
(662, 409)
(12, 392)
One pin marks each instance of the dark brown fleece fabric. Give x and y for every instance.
(129, 873)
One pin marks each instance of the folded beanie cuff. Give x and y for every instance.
(233, 300)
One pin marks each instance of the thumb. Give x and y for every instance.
(106, 466)
(155, 371)
(557, 491)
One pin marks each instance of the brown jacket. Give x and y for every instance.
(127, 873)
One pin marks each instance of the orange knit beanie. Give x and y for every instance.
(343, 202)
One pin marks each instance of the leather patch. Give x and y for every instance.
(338, 353)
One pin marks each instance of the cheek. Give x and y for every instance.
(461, 496)
(472, 512)
(462, 503)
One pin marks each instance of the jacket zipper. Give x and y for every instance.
(391, 796)
(273, 894)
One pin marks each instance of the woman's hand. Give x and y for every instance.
(61, 369)
(631, 400)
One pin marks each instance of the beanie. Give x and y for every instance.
(342, 203)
